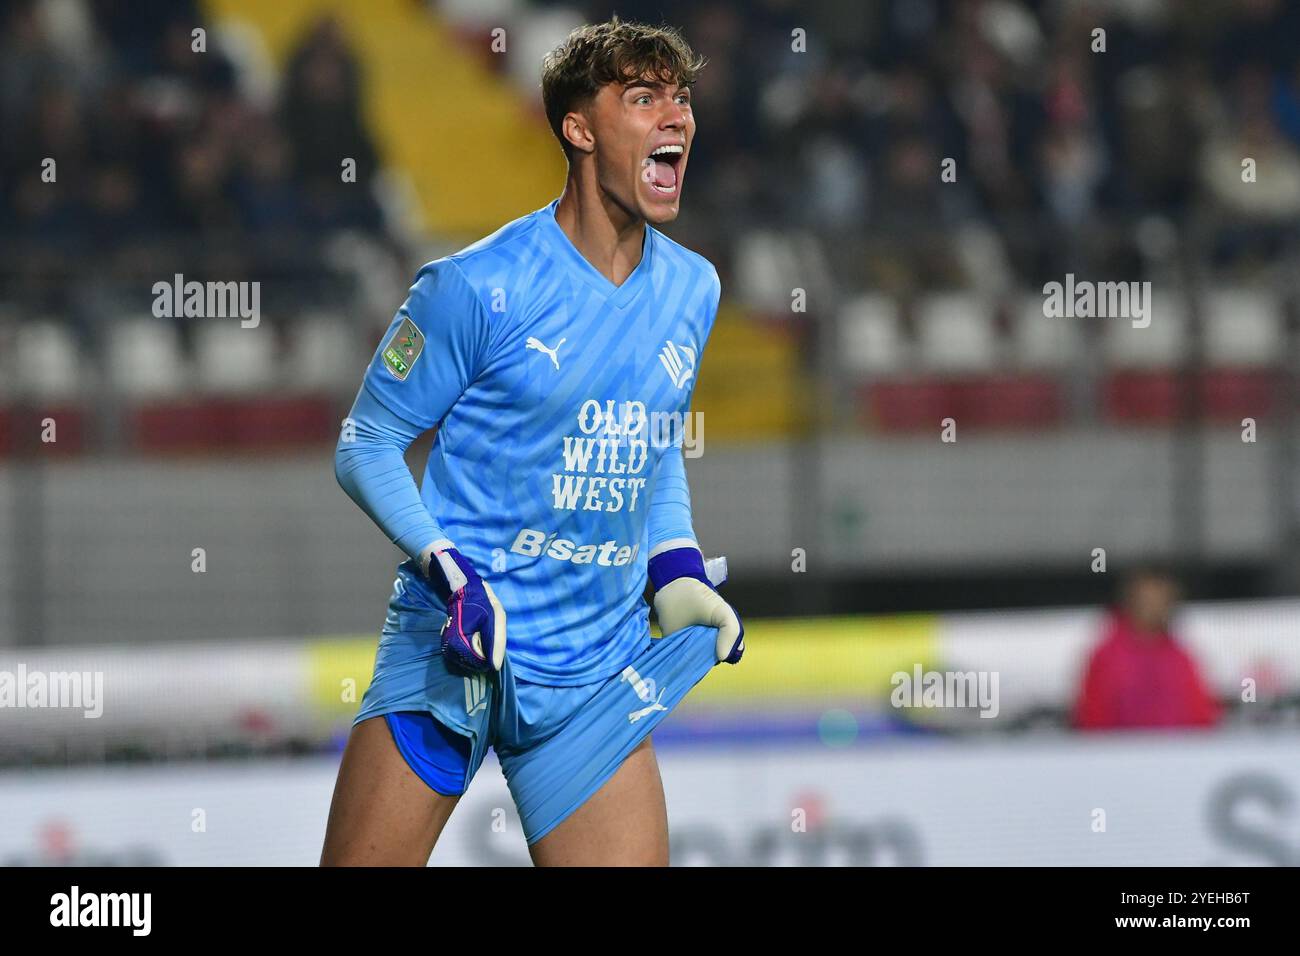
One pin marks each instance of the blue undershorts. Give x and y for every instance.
(556, 745)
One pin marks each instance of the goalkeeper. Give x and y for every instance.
(544, 355)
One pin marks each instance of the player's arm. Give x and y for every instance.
(684, 594)
(400, 398)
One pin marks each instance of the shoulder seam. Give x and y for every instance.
(484, 313)
(469, 251)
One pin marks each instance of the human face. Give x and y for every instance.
(1151, 602)
(643, 134)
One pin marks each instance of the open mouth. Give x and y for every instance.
(661, 168)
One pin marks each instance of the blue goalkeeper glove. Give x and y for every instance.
(685, 595)
(474, 637)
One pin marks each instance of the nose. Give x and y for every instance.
(674, 117)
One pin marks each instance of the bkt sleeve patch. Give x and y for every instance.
(403, 349)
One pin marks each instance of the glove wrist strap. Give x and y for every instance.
(668, 566)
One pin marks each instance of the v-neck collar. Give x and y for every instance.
(618, 296)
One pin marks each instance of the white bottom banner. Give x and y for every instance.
(1180, 800)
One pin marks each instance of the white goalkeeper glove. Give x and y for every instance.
(686, 594)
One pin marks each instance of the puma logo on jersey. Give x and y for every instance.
(678, 362)
(644, 688)
(535, 343)
(636, 715)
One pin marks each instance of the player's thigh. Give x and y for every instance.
(382, 814)
(624, 823)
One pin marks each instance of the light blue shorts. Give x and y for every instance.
(557, 745)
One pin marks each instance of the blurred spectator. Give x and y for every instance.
(1260, 210)
(1139, 676)
(321, 114)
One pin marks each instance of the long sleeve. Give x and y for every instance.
(405, 393)
(372, 470)
(670, 506)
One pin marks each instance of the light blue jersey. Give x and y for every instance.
(558, 397)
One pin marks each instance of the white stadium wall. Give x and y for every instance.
(1175, 800)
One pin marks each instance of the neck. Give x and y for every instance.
(606, 234)
(1148, 630)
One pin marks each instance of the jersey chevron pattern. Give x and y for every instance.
(555, 394)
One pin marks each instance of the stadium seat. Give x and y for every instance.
(233, 359)
(144, 358)
(1232, 394)
(955, 334)
(49, 364)
(1223, 396)
(1008, 402)
(904, 405)
(1039, 341)
(984, 402)
(871, 341)
(1160, 345)
(768, 267)
(1242, 328)
(256, 423)
(536, 31)
(23, 431)
(323, 353)
(1142, 397)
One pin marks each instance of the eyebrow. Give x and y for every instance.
(655, 85)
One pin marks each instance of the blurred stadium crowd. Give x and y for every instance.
(816, 167)
(163, 164)
(1065, 142)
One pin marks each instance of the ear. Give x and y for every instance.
(577, 130)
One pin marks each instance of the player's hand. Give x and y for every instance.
(474, 637)
(684, 595)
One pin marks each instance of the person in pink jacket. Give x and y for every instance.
(1139, 676)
